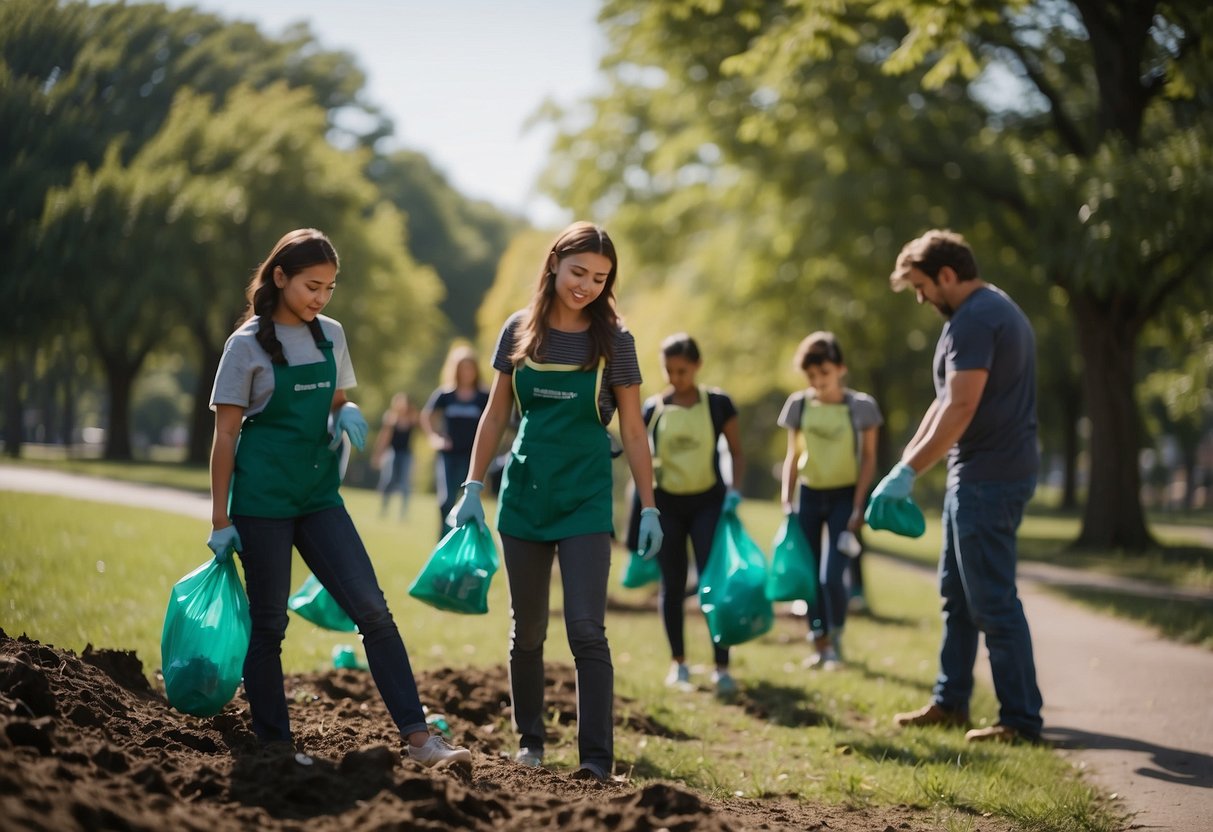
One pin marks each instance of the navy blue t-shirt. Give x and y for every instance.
(989, 332)
(461, 417)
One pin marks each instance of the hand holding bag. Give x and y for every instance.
(457, 575)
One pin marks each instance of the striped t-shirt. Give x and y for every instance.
(622, 368)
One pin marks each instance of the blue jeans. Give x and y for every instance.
(451, 470)
(977, 582)
(827, 509)
(332, 549)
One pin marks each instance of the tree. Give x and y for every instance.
(1077, 135)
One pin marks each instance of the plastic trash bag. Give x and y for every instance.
(313, 602)
(205, 638)
(457, 575)
(732, 588)
(640, 571)
(793, 572)
(902, 517)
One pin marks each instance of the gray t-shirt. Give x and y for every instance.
(621, 370)
(989, 332)
(246, 376)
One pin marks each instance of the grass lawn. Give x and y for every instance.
(74, 573)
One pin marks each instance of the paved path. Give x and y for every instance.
(1135, 710)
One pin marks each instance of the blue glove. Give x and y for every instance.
(348, 418)
(468, 508)
(223, 542)
(732, 499)
(896, 484)
(651, 535)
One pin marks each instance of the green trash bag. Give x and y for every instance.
(205, 639)
(640, 571)
(902, 517)
(457, 575)
(313, 602)
(793, 572)
(732, 588)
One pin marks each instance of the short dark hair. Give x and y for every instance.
(680, 344)
(929, 253)
(817, 349)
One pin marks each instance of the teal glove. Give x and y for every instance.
(468, 508)
(896, 484)
(651, 535)
(732, 499)
(223, 542)
(348, 418)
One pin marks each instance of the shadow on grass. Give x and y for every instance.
(899, 750)
(780, 705)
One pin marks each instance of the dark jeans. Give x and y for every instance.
(585, 565)
(827, 509)
(695, 516)
(977, 582)
(452, 470)
(332, 549)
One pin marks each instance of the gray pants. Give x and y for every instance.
(585, 564)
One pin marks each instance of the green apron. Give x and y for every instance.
(284, 467)
(557, 483)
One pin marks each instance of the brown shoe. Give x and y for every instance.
(1000, 733)
(933, 714)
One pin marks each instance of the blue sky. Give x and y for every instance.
(458, 77)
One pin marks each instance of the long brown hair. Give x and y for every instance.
(578, 238)
(297, 250)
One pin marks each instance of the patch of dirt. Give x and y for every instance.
(88, 743)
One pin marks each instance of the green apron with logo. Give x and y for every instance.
(684, 447)
(284, 467)
(557, 483)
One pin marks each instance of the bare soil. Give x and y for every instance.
(87, 742)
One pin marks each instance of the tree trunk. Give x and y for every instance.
(1113, 518)
(120, 380)
(202, 422)
(14, 418)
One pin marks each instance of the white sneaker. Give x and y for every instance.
(529, 757)
(438, 753)
(679, 677)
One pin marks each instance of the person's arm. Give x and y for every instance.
(732, 436)
(492, 426)
(787, 490)
(437, 441)
(948, 419)
(635, 438)
(228, 418)
(867, 473)
(382, 439)
(339, 399)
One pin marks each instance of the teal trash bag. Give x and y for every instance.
(640, 571)
(457, 575)
(205, 639)
(793, 572)
(313, 602)
(902, 517)
(732, 588)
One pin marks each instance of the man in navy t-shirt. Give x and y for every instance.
(983, 419)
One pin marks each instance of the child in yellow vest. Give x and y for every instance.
(832, 457)
(686, 421)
